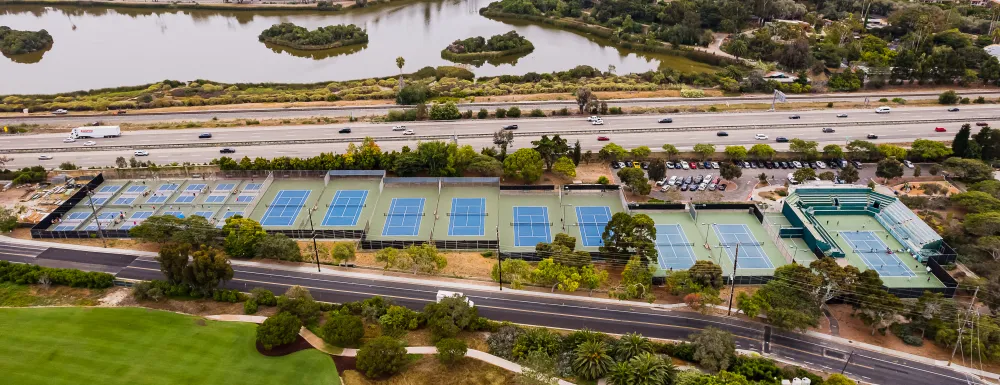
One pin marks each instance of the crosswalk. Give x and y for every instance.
(21, 250)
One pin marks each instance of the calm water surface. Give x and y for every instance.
(97, 48)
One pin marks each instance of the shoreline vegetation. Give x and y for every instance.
(478, 49)
(311, 6)
(322, 38)
(16, 42)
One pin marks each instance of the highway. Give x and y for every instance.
(228, 112)
(524, 308)
(628, 131)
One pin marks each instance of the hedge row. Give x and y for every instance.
(24, 274)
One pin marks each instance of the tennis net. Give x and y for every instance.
(531, 224)
(742, 244)
(467, 214)
(675, 244)
(345, 205)
(403, 214)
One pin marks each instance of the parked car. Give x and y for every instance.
(982, 124)
(621, 164)
(712, 186)
(857, 164)
(953, 109)
(797, 164)
(684, 187)
(510, 127)
(702, 186)
(694, 166)
(45, 157)
(603, 138)
(794, 117)
(781, 139)
(706, 165)
(672, 180)
(940, 129)
(721, 133)
(708, 178)
(715, 165)
(669, 165)
(60, 112)
(908, 163)
(746, 164)
(688, 179)
(841, 115)
(645, 165)
(628, 163)
(666, 120)
(685, 165)
(227, 150)
(722, 187)
(820, 164)
(872, 136)
(345, 130)
(636, 164)
(615, 165)
(760, 137)
(140, 153)
(828, 130)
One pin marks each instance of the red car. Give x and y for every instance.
(940, 129)
(693, 165)
(603, 138)
(982, 124)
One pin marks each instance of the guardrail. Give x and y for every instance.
(479, 135)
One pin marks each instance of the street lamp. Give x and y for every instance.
(313, 230)
(90, 198)
(563, 206)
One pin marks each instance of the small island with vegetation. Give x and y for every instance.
(479, 49)
(334, 36)
(14, 42)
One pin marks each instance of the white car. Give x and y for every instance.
(598, 122)
(715, 165)
(593, 118)
(672, 180)
(661, 182)
(908, 164)
(708, 177)
(45, 157)
(820, 164)
(399, 128)
(90, 143)
(69, 140)
(760, 137)
(141, 153)
(442, 294)
(685, 165)
(883, 110)
(60, 112)
(408, 132)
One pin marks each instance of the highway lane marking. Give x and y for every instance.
(19, 255)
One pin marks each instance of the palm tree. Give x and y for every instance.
(631, 345)
(400, 62)
(651, 369)
(592, 360)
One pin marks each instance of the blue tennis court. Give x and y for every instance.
(403, 218)
(592, 221)
(285, 207)
(215, 199)
(345, 208)
(876, 254)
(109, 189)
(141, 215)
(98, 201)
(65, 227)
(78, 216)
(531, 225)
(244, 198)
(467, 217)
(674, 249)
(156, 199)
(225, 187)
(135, 189)
(752, 255)
(203, 214)
(195, 187)
(168, 187)
(253, 186)
(185, 197)
(124, 201)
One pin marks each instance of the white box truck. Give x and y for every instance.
(442, 294)
(96, 132)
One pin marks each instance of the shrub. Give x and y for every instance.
(483, 114)
(537, 113)
(692, 93)
(501, 342)
(231, 296)
(450, 350)
(397, 320)
(299, 302)
(539, 339)
(883, 100)
(250, 306)
(603, 180)
(343, 330)
(263, 297)
(25, 274)
(948, 97)
(279, 329)
(487, 254)
(381, 357)
(501, 113)
(615, 110)
(514, 112)
(899, 100)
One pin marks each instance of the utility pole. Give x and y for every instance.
(499, 260)
(732, 280)
(313, 230)
(90, 198)
(848, 362)
(961, 327)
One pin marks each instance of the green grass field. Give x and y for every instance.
(134, 346)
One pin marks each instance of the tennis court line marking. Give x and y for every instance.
(745, 230)
(544, 213)
(393, 208)
(466, 203)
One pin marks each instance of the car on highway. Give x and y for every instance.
(841, 115)
(593, 118)
(665, 120)
(60, 112)
(883, 110)
(940, 129)
(760, 137)
(45, 157)
(345, 130)
(90, 143)
(615, 165)
(408, 132)
(598, 122)
(794, 117)
(510, 127)
(140, 153)
(721, 133)
(399, 128)
(828, 130)
(205, 135)
(69, 140)
(872, 136)
(780, 139)
(908, 163)
(121, 112)
(982, 124)
(603, 138)
(227, 150)
(953, 109)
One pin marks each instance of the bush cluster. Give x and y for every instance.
(333, 36)
(14, 42)
(25, 274)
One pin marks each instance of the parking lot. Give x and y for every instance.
(739, 189)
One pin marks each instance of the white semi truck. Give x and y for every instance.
(96, 132)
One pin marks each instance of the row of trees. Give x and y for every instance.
(562, 268)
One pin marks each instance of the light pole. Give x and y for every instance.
(313, 230)
(563, 206)
(90, 198)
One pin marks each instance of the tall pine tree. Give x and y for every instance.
(960, 146)
(577, 153)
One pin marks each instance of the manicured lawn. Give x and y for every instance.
(134, 346)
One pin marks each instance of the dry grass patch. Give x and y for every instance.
(428, 371)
